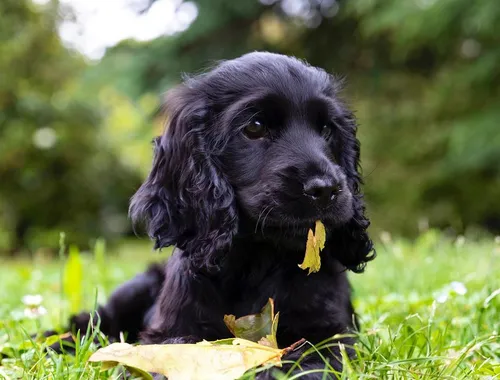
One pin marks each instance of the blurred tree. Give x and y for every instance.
(430, 88)
(422, 74)
(57, 173)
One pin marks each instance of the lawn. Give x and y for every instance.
(430, 309)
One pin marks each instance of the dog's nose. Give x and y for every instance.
(321, 189)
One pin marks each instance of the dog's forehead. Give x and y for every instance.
(280, 74)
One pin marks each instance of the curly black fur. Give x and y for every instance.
(236, 208)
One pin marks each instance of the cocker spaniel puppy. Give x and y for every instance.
(254, 152)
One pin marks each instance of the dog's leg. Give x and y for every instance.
(189, 305)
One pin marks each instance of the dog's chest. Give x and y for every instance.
(248, 290)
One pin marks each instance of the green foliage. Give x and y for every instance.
(422, 76)
(55, 168)
(435, 119)
(429, 310)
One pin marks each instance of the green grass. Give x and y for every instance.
(430, 309)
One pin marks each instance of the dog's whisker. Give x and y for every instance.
(258, 219)
(260, 215)
(264, 220)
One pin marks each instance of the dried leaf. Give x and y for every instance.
(270, 340)
(320, 234)
(259, 327)
(315, 243)
(203, 361)
(312, 259)
(230, 321)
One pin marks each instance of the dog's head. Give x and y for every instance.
(261, 141)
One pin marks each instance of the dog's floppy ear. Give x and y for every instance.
(186, 200)
(350, 244)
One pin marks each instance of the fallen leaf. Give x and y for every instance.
(230, 321)
(270, 339)
(314, 245)
(255, 327)
(201, 361)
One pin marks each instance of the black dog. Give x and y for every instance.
(255, 151)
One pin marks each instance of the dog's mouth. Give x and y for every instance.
(283, 235)
(300, 215)
(288, 214)
(289, 224)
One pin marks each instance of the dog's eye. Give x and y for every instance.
(255, 129)
(326, 131)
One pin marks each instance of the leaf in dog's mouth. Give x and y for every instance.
(315, 244)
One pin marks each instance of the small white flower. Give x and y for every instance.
(451, 290)
(497, 239)
(34, 308)
(35, 312)
(32, 300)
(458, 288)
(442, 298)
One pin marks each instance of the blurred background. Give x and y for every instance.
(81, 80)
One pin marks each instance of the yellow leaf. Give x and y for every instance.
(315, 243)
(320, 234)
(202, 361)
